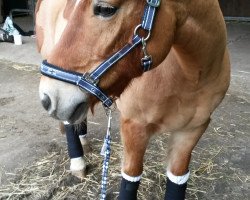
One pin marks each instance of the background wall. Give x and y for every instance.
(235, 8)
(7, 5)
(1, 18)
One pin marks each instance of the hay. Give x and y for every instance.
(49, 178)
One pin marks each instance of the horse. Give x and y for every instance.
(168, 70)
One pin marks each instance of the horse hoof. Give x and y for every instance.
(78, 167)
(81, 174)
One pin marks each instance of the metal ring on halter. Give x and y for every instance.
(145, 38)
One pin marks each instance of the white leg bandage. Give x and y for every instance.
(77, 164)
(178, 179)
(131, 178)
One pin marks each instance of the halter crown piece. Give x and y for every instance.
(89, 81)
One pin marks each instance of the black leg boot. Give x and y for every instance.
(175, 191)
(74, 145)
(128, 190)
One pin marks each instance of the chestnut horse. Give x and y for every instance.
(188, 79)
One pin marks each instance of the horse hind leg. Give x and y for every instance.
(82, 132)
(135, 139)
(180, 148)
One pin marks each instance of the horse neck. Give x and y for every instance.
(197, 32)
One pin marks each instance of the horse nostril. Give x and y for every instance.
(46, 102)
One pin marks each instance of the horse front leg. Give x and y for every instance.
(180, 148)
(77, 145)
(135, 139)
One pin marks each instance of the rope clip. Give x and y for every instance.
(146, 61)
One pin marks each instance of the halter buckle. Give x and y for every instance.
(89, 79)
(154, 3)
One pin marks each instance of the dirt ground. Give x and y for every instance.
(31, 145)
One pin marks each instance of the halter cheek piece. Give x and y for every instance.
(89, 81)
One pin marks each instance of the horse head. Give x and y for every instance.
(79, 35)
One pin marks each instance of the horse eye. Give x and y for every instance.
(104, 11)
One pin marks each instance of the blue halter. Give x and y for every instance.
(89, 81)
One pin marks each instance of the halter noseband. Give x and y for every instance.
(89, 81)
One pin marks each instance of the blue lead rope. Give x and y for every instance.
(106, 149)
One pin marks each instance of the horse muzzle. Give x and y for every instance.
(63, 101)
